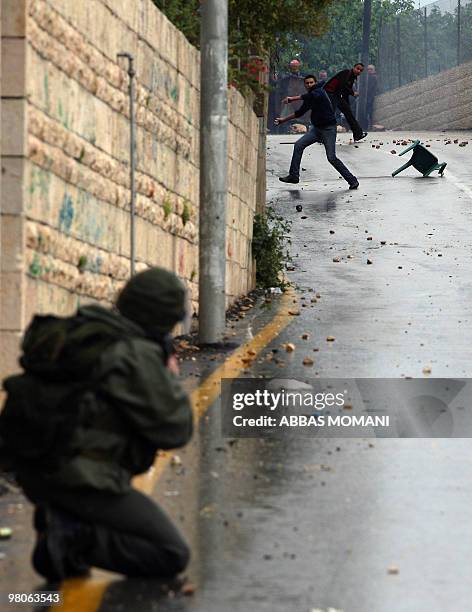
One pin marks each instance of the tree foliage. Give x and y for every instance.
(254, 28)
(426, 46)
(340, 46)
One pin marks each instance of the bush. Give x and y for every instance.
(269, 244)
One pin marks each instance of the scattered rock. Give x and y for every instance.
(308, 361)
(369, 261)
(330, 339)
(289, 347)
(5, 533)
(336, 259)
(299, 208)
(305, 336)
(393, 152)
(176, 460)
(427, 370)
(294, 313)
(393, 570)
(188, 589)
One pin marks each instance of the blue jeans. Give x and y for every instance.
(327, 136)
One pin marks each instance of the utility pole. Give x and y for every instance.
(399, 52)
(364, 80)
(213, 169)
(132, 161)
(425, 42)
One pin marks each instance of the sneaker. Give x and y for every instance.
(289, 179)
(354, 185)
(364, 134)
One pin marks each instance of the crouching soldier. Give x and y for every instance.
(98, 397)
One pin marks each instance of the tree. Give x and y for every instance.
(340, 46)
(254, 28)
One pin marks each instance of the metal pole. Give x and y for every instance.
(425, 42)
(459, 50)
(399, 53)
(364, 80)
(213, 169)
(132, 163)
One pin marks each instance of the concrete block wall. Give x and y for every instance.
(442, 101)
(65, 156)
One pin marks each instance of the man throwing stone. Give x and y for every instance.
(323, 130)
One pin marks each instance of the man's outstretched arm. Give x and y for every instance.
(290, 99)
(280, 120)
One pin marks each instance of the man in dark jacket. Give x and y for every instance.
(97, 399)
(339, 88)
(323, 130)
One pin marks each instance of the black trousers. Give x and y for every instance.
(343, 105)
(127, 533)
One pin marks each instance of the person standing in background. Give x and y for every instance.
(371, 93)
(289, 85)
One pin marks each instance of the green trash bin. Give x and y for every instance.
(422, 159)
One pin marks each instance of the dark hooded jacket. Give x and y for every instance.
(96, 400)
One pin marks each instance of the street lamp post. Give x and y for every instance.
(213, 170)
(132, 162)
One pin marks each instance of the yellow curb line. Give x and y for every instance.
(82, 594)
(85, 595)
(206, 393)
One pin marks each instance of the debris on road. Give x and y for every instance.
(308, 361)
(5, 533)
(330, 339)
(188, 589)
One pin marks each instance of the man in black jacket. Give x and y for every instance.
(97, 399)
(323, 130)
(339, 88)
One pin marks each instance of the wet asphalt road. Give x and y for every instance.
(359, 525)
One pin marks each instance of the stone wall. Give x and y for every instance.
(442, 101)
(65, 158)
